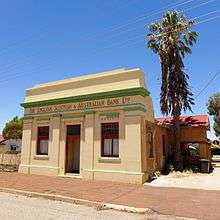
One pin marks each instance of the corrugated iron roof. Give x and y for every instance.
(194, 120)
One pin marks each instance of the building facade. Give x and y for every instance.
(93, 127)
(193, 133)
(102, 127)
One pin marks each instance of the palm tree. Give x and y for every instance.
(172, 39)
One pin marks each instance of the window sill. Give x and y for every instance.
(41, 157)
(109, 160)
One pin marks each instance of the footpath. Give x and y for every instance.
(191, 203)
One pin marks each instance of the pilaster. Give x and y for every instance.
(54, 150)
(88, 148)
(26, 145)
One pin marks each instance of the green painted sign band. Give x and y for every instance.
(103, 95)
(135, 108)
(92, 111)
(109, 114)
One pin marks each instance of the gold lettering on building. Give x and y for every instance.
(81, 105)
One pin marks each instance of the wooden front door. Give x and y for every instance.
(73, 149)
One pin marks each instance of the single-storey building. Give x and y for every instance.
(13, 145)
(193, 132)
(92, 127)
(98, 126)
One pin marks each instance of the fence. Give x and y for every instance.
(9, 162)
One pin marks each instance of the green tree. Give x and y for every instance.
(214, 110)
(172, 39)
(13, 129)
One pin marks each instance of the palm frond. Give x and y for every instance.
(172, 40)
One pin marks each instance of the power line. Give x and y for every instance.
(94, 52)
(14, 65)
(41, 33)
(36, 70)
(200, 22)
(201, 4)
(191, 8)
(121, 44)
(204, 15)
(208, 19)
(30, 37)
(120, 26)
(158, 12)
(207, 84)
(129, 2)
(173, 5)
(141, 18)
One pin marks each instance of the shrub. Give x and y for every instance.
(157, 173)
(170, 167)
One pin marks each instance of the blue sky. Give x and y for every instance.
(48, 40)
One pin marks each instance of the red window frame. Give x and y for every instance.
(109, 131)
(40, 137)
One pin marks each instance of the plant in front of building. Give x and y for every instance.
(13, 129)
(214, 110)
(172, 39)
(170, 168)
(157, 173)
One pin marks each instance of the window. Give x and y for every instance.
(110, 142)
(151, 146)
(42, 140)
(164, 145)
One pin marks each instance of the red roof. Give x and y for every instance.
(194, 120)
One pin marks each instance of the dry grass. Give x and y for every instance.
(2, 149)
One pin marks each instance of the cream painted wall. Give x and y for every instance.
(92, 165)
(131, 164)
(102, 82)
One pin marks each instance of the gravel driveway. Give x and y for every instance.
(189, 180)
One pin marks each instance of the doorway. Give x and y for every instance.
(73, 149)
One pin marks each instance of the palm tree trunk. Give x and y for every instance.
(178, 160)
